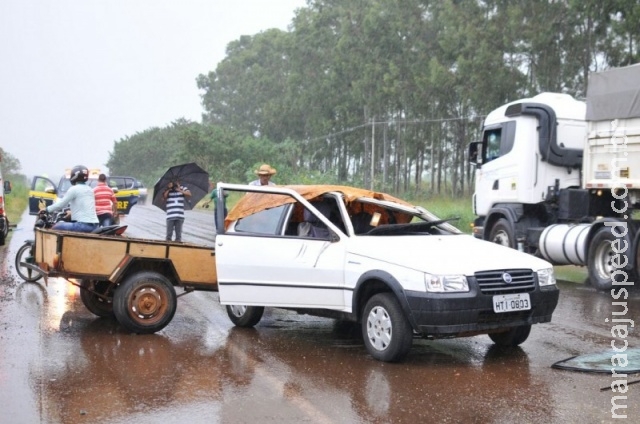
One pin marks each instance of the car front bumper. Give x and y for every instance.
(451, 314)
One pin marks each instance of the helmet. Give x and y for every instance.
(79, 174)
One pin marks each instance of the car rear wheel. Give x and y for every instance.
(245, 316)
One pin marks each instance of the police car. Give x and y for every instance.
(44, 189)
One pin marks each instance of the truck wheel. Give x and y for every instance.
(25, 255)
(502, 233)
(386, 331)
(513, 337)
(245, 316)
(600, 259)
(145, 303)
(94, 303)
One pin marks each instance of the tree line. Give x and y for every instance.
(382, 93)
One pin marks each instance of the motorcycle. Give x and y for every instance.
(25, 259)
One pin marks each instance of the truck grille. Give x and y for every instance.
(493, 282)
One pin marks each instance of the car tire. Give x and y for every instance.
(512, 337)
(386, 331)
(245, 316)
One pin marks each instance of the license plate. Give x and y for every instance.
(511, 302)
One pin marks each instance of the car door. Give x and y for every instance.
(262, 261)
(42, 190)
(126, 194)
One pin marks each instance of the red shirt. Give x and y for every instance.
(105, 199)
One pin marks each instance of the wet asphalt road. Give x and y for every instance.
(61, 364)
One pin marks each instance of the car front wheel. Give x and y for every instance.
(386, 330)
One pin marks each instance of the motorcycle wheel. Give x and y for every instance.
(25, 255)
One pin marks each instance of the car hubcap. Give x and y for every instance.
(379, 328)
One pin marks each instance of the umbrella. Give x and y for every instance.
(191, 176)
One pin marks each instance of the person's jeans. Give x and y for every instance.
(81, 227)
(174, 224)
(105, 219)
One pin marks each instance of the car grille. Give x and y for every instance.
(492, 282)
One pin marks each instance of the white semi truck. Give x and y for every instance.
(560, 178)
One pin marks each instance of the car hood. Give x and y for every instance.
(447, 254)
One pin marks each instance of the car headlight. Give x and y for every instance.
(546, 277)
(446, 283)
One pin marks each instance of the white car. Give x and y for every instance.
(368, 257)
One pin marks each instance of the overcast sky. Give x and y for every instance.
(78, 75)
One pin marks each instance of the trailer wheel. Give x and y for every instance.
(600, 260)
(145, 302)
(95, 304)
(513, 337)
(386, 330)
(502, 233)
(245, 316)
(25, 255)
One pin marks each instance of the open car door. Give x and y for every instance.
(42, 189)
(263, 260)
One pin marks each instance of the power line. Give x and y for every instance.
(393, 121)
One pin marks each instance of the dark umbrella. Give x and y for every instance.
(189, 175)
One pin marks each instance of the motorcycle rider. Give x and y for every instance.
(81, 200)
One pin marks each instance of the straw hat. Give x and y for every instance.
(265, 170)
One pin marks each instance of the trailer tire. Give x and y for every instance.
(245, 316)
(502, 233)
(386, 331)
(95, 304)
(600, 258)
(145, 302)
(513, 337)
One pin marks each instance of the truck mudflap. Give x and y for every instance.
(452, 314)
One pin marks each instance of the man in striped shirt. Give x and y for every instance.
(106, 201)
(175, 195)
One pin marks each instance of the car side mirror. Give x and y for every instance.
(7, 187)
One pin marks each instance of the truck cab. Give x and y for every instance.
(529, 150)
(556, 176)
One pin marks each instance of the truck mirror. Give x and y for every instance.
(475, 153)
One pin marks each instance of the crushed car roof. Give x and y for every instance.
(253, 202)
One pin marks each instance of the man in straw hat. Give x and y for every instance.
(264, 174)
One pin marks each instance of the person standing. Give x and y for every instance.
(264, 174)
(106, 202)
(175, 195)
(81, 201)
(213, 197)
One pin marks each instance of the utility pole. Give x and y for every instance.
(373, 148)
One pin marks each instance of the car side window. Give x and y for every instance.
(268, 222)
